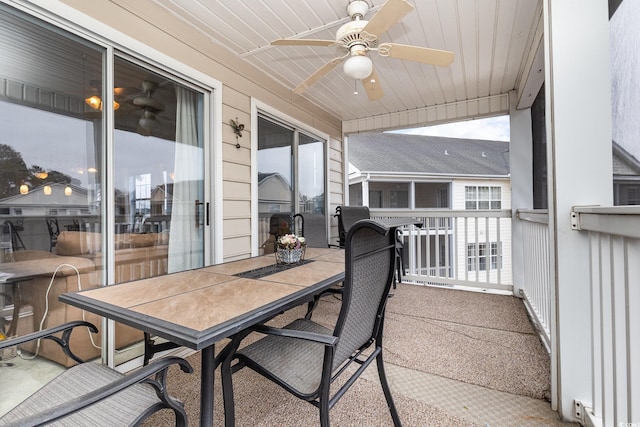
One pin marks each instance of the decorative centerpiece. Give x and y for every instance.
(290, 249)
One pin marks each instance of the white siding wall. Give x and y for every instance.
(470, 232)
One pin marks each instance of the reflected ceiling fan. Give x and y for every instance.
(359, 37)
(150, 107)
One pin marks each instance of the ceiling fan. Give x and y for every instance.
(358, 37)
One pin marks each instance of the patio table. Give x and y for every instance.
(198, 308)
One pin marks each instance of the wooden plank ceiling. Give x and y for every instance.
(494, 43)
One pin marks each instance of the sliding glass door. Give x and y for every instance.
(291, 179)
(159, 202)
(100, 182)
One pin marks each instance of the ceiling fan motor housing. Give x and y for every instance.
(350, 34)
(357, 9)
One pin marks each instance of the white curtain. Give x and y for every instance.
(185, 239)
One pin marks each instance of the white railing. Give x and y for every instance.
(614, 241)
(536, 288)
(457, 248)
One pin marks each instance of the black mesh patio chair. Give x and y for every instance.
(305, 357)
(92, 394)
(347, 216)
(313, 228)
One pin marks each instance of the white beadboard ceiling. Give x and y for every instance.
(494, 42)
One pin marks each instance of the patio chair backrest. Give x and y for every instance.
(369, 269)
(347, 216)
(314, 229)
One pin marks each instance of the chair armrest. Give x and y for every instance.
(328, 340)
(63, 341)
(45, 333)
(141, 375)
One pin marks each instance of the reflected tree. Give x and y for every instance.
(13, 171)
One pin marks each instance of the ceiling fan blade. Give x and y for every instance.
(372, 86)
(320, 72)
(390, 14)
(302, 42)
(441, 58)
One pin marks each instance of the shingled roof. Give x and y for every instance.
(402, 153)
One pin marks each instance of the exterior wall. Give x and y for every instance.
(241, 83)
(482, 232)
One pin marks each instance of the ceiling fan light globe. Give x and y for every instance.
(358, 67)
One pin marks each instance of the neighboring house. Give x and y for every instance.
(275, 193)
(27, 212)
(415, 172)
(626, 177)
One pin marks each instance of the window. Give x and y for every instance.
(355, 194)
(431, 195)
(471, 257)
(482, 197)
(375, 198)
(399, 199)
(477, 254)
(389, 195)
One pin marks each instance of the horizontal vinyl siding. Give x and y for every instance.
(236, 175)
(336, 184)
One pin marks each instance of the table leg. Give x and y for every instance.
(206, 386)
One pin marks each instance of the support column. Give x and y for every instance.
(521, 161)
(579, 159)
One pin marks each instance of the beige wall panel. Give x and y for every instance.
(335, 166)
(335, 144)
(240, 155)
(236, 99)
(335, 187)
(335, 176)
(235, 172)
(335, 155)
(240, 227)
(236, 247)
(336, 200)
(237, 190)
(236, 209)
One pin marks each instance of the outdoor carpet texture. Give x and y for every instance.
(475, 338)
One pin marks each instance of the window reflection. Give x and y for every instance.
(159, 170)
(291, 180)
(53, 179)
(50, 178)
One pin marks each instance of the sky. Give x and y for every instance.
(625, 76)
(493, 128)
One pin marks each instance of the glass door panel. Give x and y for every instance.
(275, 182)
(311, 184)
(50, 189)
(158, 179)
